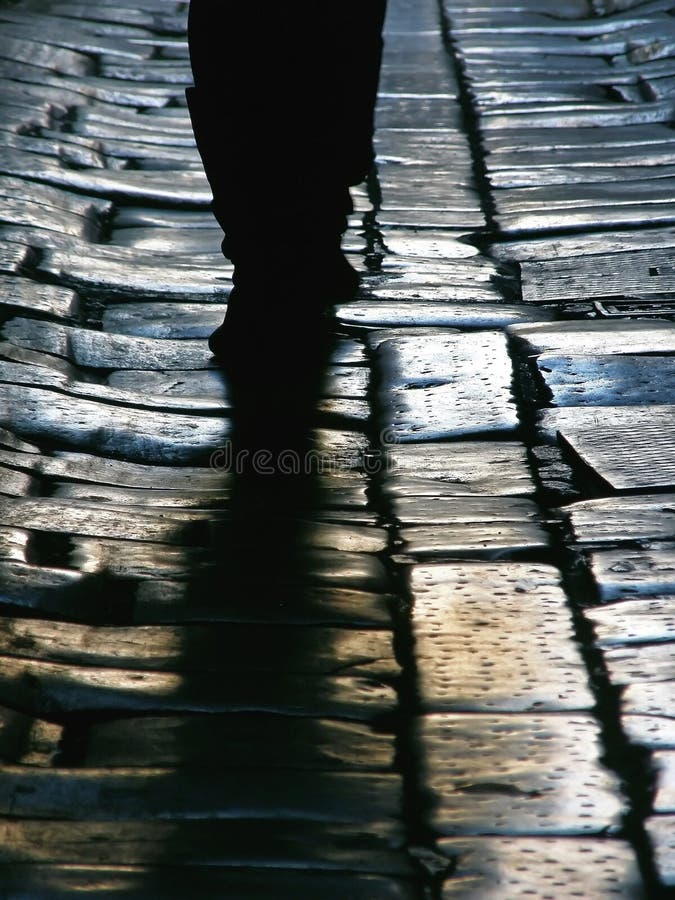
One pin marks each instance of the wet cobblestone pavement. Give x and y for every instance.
(442, 669)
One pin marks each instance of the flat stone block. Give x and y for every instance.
(633, 665)
(518, 774)
(430, 390)
(614, 380)
(629, 574)
(634, 621)
(416, 313)
(269, 742)
(200, 883)
(141, 436)
(661, 831)
(212, 845)
(491, 868)
(596, 337)
(30, 296)
(57, 691)
(615, 520)
(636, 455)
(475, 540)
(462, 468)
(495, 636)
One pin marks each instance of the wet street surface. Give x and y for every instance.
(436, 663)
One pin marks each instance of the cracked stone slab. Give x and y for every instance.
(14, 258)
(231, 741)
(607, 380)
(634, 621)
(137, 435)
(416, 313)
(212, 844)
(623, 424)
(462, 468)
(518, 774)
(121, 795)
(199, 648)
(202, 883)
(491, 868)
(463, 611)
(55, 691)
(163, 320)
(621, 519)
(20, 294)
(429, 387)
(630, 574)
(633, 455)
(602, 241)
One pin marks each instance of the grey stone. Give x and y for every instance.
(232, 741)
(444, 313)
(487, 867)
(474, 540)
(233, 648)
(661, 830)
(629, 574)
(614, 520)
(518, 774)
(37, 53)
(139, 436)
(457, 469)
(56, 690)
(429, 387)
(649, 663)
(612, 380)
(460, 510)
(200, 883)
(216, 845)
(633, 621)
(464, 611)
(633, 454)
(30, 296)
(653, 732)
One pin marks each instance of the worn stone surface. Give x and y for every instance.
(462, 611)
(548, 781)
(541, 867)
(429, 390)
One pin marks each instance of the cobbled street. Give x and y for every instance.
(443, 666)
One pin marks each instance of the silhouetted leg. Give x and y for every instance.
(282, 111)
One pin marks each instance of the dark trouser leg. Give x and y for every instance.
(282, 112)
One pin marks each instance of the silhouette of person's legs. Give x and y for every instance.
(282, 112)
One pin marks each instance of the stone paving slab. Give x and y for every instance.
(461, 468)
(462, 611)
(59, 691)
(617, 520)
(121, 795)
(661, 830)
(622, 573)
(214, 844)
(540, 868)
(607, 380)
(549, 781)
(138, 883)
(233, 741)
(629, 452)
(634, 621)
(429, 390)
